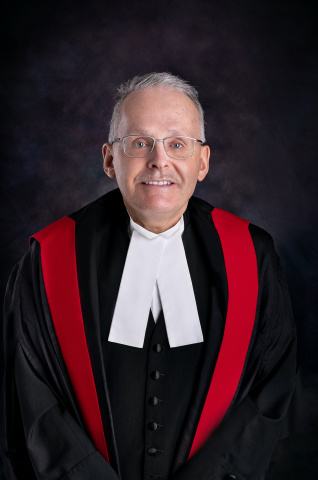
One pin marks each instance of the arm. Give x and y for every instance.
(243, 444)
(43, 437)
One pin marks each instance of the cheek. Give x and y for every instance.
(190, 174)
(126, 173)
(121, 171)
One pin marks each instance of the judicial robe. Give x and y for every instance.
(46, 432)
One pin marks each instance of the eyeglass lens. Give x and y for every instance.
(141, 146)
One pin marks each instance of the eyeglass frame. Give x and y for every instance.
(154, 142)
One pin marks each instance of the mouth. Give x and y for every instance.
(160, 183)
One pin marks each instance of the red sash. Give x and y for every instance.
(60, 279)
(242, 279)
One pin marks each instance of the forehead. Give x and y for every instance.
(157, 111)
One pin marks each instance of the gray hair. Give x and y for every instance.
(151, 80)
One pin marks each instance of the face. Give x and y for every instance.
(159, 112)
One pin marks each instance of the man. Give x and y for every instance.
(149, 335)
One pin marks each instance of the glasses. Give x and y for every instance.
(140, 146)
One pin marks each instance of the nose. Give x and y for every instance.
(158, 157)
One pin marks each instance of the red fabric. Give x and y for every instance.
(60, 279)
(241, 269)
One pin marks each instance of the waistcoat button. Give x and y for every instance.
(152, 426)
(157, 348)
(152, 451)
(153, 400)
(155, 375)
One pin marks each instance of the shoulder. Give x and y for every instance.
(265, 251)
(202, 208)
(101, 209)
(233, 225)
(109, 204)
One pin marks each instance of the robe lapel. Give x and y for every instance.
(208, 275)
(99, 237)
(242, 279)
(220, 379)
(58, 258)
(72, 251)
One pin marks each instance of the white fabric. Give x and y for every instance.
(156, 303)
(156, 275)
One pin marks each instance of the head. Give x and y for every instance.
(159, 105)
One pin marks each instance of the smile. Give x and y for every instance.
(158, 183)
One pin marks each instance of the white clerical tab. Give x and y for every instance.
(156, 275)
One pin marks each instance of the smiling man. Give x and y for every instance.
(148, 335)
(157, 184)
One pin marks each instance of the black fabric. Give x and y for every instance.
(100, 233)
(132, 389)
(43, 433)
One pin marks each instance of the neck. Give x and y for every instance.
(157, 223)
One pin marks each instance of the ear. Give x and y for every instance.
(204, 162)
(107, 150)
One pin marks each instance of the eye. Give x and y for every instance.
(139, 144)
(176, 145)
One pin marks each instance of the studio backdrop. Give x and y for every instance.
(254, 65)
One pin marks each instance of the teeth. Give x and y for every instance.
(158, 183)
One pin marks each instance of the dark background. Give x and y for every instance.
(255, 66)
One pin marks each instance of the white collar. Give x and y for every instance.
(156, 261)
(150, 235)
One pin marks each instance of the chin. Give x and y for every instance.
(159, 205)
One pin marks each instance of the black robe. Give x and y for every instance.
(43, 433)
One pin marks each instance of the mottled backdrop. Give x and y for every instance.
(255, 66)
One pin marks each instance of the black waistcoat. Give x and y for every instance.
(150, 392)
(152, 389)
